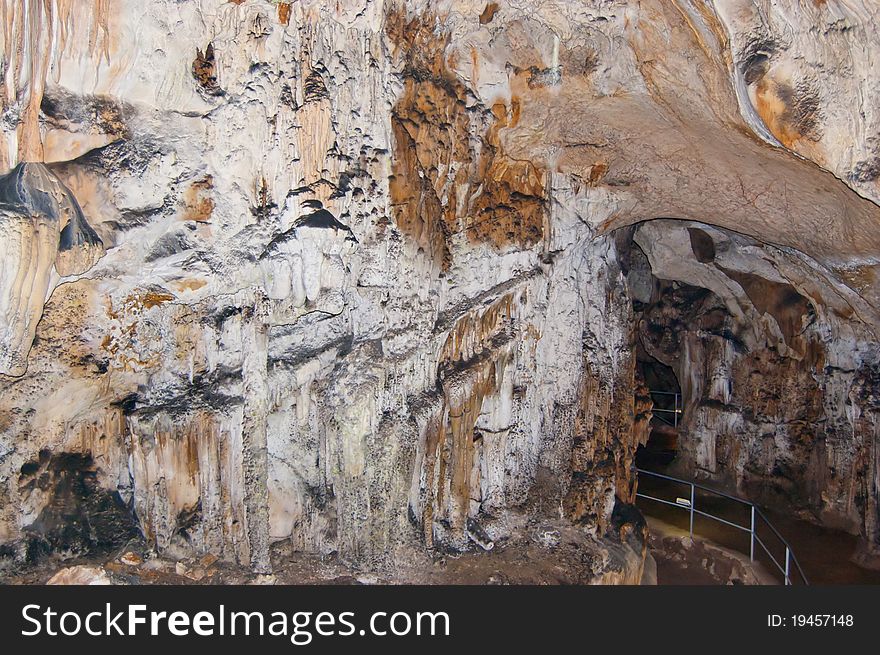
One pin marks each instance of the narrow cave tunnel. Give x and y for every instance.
(739, 348)
(665, 394)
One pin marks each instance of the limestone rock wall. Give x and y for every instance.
(46, 236)
(331, 310)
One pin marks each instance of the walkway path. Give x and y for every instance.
(681, 560)
(824, 554)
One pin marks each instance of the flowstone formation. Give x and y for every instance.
(45, 235)
(357, 278)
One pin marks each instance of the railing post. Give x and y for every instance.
(692, 510)
(787, 560)
(752, 537)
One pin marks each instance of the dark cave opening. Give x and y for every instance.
(659, 377)
(686, 335)
(665, 392)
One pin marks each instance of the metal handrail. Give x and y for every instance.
(752, 529)
(676, 411)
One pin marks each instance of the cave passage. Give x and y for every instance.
(743, 333)
(665, 393)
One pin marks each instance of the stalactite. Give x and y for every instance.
(36, 34)
(471, 366)
(420, 198)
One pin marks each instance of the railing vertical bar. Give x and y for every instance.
(787, 566)
(693, 499)
(752, 537)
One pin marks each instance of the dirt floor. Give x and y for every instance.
(827, 556)
(682, 560)
(541, 552)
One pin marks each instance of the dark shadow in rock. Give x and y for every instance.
(79, 516)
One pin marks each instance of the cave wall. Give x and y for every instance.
(340, 273)
(331, 309)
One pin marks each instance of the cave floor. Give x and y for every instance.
(682, 560)
(827, 556)
(545, 552)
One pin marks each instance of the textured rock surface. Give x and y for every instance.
(359, 292)
(80, 575)
(45, 235)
